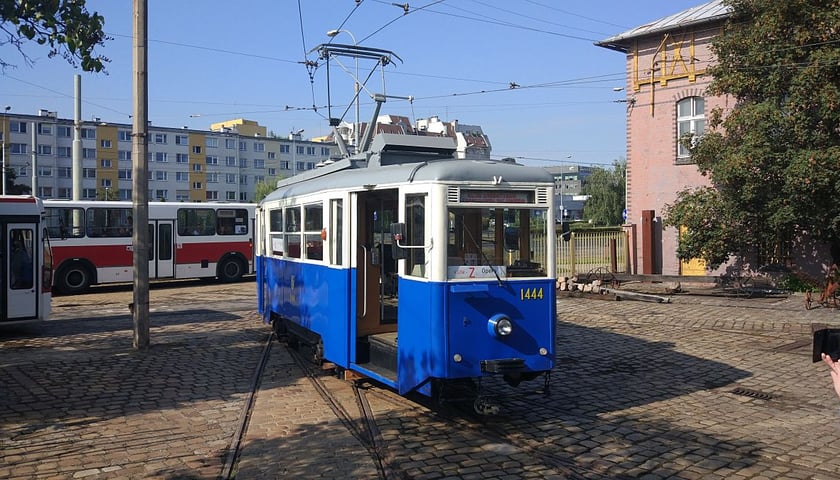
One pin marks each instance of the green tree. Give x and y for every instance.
(606, 188)
(13, 188)
(262, 189)
(64, 26)
(771, 161)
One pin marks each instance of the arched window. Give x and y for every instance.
(691, 122)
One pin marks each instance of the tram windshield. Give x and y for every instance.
(514, 239)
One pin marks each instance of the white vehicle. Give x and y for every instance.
(25, 251)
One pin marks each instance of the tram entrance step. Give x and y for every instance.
(383, 350)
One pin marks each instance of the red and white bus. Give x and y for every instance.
(27, 260)
(92, 241)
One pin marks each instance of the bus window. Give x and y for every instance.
(196, 221)
(65, 222)
(230, 221)
(108, 222)
(336, 232)
(21, 269)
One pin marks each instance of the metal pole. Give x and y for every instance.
(77, 145)
(140, 185)
(34, 183)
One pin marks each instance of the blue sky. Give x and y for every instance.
(209, 62)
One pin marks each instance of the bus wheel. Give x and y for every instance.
(231, 270)
(73, 279)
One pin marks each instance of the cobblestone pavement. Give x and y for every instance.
(702, 387)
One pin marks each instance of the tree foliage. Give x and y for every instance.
(606, 190)
(64, 26)
(13, 188)
(262, 189)
(772, 160)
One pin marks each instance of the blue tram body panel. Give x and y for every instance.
(439, 320)
(301, 293)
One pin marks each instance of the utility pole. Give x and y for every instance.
(140, 182)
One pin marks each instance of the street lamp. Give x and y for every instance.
(332, 34)
(3, 121)
(294, 134)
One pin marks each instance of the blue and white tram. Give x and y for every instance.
(413, 268)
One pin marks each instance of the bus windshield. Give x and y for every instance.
(514, 239)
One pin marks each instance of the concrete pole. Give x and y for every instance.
(140, 181)
(77, 140)
(34, 183)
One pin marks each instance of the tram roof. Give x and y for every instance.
(393, 160)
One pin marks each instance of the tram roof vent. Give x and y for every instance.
(391, 148)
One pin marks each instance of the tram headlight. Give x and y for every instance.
(499, 325)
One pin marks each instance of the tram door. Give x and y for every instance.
(376, 281)
(161, 259)
(20, 261)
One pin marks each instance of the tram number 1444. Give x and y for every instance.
(530, 293)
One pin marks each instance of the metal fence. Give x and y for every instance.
(589, 251)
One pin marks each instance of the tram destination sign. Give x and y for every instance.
(497, 196)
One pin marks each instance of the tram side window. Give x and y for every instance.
(21, 269)
(65, 222)
(292, 229)
(313, 217)
(196, 221)
(415, 224)
(232, 221)
(337, 234)
(108, 222)
(275, 230)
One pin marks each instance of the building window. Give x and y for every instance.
(124, 135)
(196, 149)
(182, 158)
(300, 166)
(213, 177)
(325, 151)
(88, 133)
(259, 163)
(211, 195)
(44, 129)
(105, 143)
(64, 152)
(284, 165)
(230, 143)
(162, 194)
(196, 167)
(272, 172)
(271, 155)
(243, 196)
(17, 127)
(310, 150)
(22, 148)
(125, 194)
(211, 142)
(196, 185)
(45, 192)
(161, 175)
(691, 122)
(88, 153)
(124, 174)
(106, 183)
(44, 149)
(230, 178)
(89, 193)
(243, 179)
(259, 146)
(229, 195)
(212, 160)
(230, 161)
(182, 140)
(124, 154)
(182, 195)
(160, 138)
(105, 163)
(45, 171)
(88, 173)
(182, 177)
(161, 157)
(64, 172)
(243, 146)
(243, 163)
(284, 149)
(64, 192)
(65, 131)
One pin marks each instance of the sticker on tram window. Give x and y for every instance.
(530, 293)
